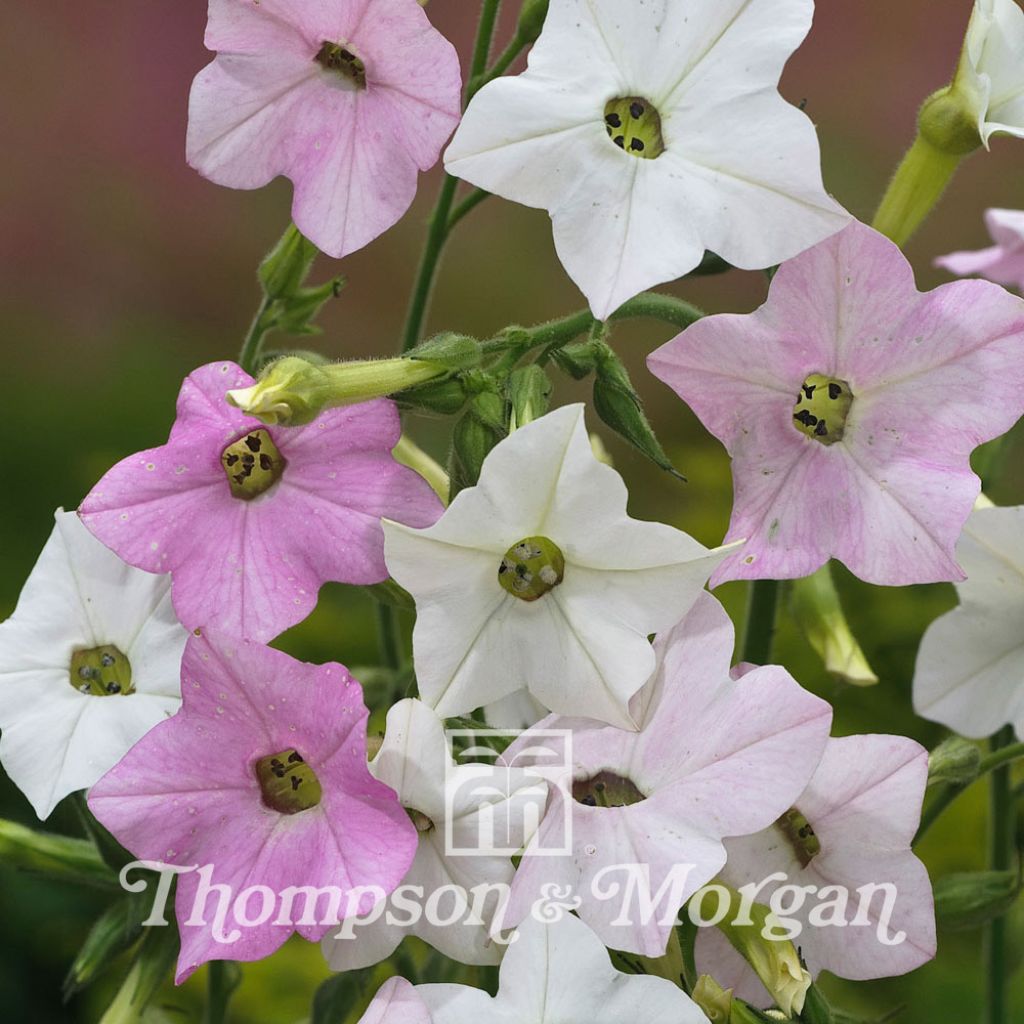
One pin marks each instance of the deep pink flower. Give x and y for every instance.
(850, 404)
(862, 807)
(251, 520)
(1002, 262)
(263, 775)
(350, 99)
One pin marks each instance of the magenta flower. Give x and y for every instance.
(850, 404)
(850, 829)
(262, 775)
(350, 99)
(714, 757)
(251, 520)
(1002, 262)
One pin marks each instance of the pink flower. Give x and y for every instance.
(263, 776)
(850, 404)
(251, 520)
(1002, 262)
(714, 757)
(862, 808)
(347, 98)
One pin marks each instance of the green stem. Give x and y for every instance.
(1001, 856)
(759, 633)
(515, 47)
(253, 345)
(655, 306)
(470, 203)
(998, 758)
(916, 187)
(387, 636)
(221, 981)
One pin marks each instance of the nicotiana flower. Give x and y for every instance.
(536, 578)
(552, 973)
(871, 912)
(970, 667)
(990, 77)
(350, 99)
(459, 816)
(251, 520)
(1002, 262)
(261, 782)
(850, 404)
(714, 757)
(89, 663)
(651, 132)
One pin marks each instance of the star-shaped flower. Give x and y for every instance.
(251, 520)
(1002, 262)
(714, 757)
(89, 663)
(552, 973)
(262, 776)
(651, 132)
(850, 404)
(851, 827)
(449, 807)
(536, 578)
(991, 71)
(350, 99)
(970, 667)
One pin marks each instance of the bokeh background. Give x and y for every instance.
(122, 270)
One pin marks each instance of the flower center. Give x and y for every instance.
(800, 835)
(288, 784)
(822, 408)
(634, 125)
(253, 465)
(337, 57)
(606, 789)
(531, 568)
(420, 820)
(101, 672)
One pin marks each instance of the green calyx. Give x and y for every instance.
(337, 57)
(822, 408)
(606, 789)
(101, 672)
(532, 568)
(948, 121)
(800, 835)
(253, 465)
(287, 783)
(634, 125)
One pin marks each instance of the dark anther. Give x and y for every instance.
(614, 120)
(637, 109)
(637, 145)
(253, 443)
(113, 688)
(248, 460)
(834, 391)
(807, 418)
(107, 660)
(589, 801)
(821, 429)
(809, 389)
(265, 462)
(231, 459)
(296, 782)
(620, 141)
(295, 758)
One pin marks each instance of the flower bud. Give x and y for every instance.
(715, 1001)
(529, 390)
(972, 899)
(817, 609)
(948, 123)
(955, 760)
(112, 933)
(531, 19)
(287, 265)
(476, 432)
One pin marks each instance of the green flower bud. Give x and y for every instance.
(476, 432)
(288, 264)
(946, 120)
(817, 609)
(955, 760)
(444, 397)
(149, 971)
(529, 390)
(715, 1001)
(117, 928)
(972, 899)
(531, 20)
(293, 392)
(53, 856)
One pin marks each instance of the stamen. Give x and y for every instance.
(288, 784)
(800, 835)
(340, 59)
(420, 820)
(606, 789)
(532, 568)
(252, 464)
(101, 672)
(822, 408)
(634, 125)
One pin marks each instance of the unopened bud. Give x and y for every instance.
(529, 390)
(476, 432)
(955, 760)
(113, 932)
(531, 19)
(972, 899)
(949, 123)
(287, 265)
(715, 1001)
(53, 856)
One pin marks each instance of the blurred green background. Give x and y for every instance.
(122, 270)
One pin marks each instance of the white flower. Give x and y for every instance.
(552, 973)
(450, 808)
(651, 132)
(89, 663)
(536, 578)
(991, 73)
(970, 668)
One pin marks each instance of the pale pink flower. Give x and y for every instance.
(850, 404)
(263, 776)
(862, 808)
(1002, 262)
(250, 520)
(350, 99)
